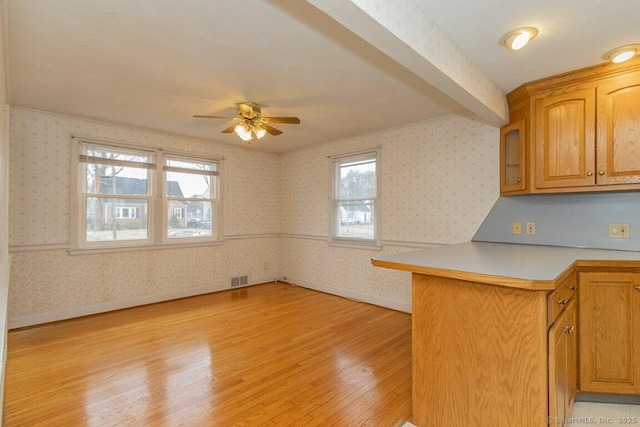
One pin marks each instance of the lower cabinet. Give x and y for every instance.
(610, 332)
(562, 365)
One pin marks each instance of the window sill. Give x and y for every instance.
(103, 250)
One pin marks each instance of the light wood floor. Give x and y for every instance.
(267, 355)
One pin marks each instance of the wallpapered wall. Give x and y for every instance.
(5, 258)
(439, 180)
(48, 283)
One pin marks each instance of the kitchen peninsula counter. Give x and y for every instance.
(484, 321)
(505, 264)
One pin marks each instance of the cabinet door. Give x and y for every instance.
(619, 131)
(512, 158)
(565, 140)
(572, 356)
(609, 332)
(558, 370)
(562, 365)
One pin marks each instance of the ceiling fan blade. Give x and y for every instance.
(270, 129)
(200, 116)
(230, 129)
(292, 120)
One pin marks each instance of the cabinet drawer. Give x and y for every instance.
(559, 298)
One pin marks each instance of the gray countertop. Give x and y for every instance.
(521, 262)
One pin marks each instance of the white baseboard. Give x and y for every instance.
(54, 316)
(355, 295)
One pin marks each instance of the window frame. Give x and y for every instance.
(214, 199)
(335, 163)
(157, 207)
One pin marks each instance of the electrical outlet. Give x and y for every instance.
(619, 231)
(516, 227)
(531, 228)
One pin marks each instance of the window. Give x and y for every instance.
(190, 186)
(122, 213)
(355, 197)
(133, 196)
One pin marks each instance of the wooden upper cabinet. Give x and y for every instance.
(512, 158)
(582, 132)
(619, 131)
(565, 140)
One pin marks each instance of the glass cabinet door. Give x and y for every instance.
(512, 158)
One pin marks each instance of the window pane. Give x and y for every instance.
(356, 219)
(197, 222)
(116, 219)
(109, 179)
(188, 185)
(357, 179)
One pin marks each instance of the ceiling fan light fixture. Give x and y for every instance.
(622, 53)
(259, 132)
(517, 39)
(243, 131)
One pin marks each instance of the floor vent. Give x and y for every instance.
(239, 281)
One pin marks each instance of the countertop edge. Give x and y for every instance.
(530, 267)
(511, 282)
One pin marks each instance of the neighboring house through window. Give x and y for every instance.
(355, 204)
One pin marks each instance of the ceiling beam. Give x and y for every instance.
(402, 31)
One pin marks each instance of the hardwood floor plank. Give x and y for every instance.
(266, 355)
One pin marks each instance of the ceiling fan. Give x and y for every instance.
(250, 122)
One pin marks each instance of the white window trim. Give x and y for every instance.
(157, 220)
(334, 239)
(216, 231)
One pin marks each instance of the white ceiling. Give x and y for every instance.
(155, 63)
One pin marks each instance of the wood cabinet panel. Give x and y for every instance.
(565, 140)
(619, 131)
(479, 354)
(610, 332)
(562, 365)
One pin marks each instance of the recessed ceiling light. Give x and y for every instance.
(622, 53)
(518, 38)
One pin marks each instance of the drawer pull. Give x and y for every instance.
(563, 302)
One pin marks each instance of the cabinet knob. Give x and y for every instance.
(570, 330)
(519, 180)
(600, 173)
(573, 288)
(589, 173)
(637, 288)
(563, 302)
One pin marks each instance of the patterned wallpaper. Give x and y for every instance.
(439, 179)
(40, 176)
(51, 281)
